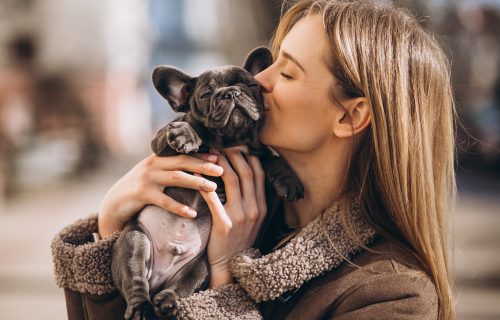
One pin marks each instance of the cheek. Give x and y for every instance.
(295, 122)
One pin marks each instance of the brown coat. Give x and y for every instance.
(308, 278)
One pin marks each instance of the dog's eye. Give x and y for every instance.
(206, 94)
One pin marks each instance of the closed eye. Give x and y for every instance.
(286, 76)
(206, 94)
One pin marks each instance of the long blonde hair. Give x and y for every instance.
(403, 170)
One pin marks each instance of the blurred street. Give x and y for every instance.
(28, 291)
(28, 224)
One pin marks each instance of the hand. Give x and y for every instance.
(234, 225)
(144, 185)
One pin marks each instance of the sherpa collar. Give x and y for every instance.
(321, 246)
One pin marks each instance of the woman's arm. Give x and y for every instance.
(83, 266)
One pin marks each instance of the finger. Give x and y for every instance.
(220, 218)
(259, 180)
(246, 181)
(242, 148)
(186, 163)
(260, 192)
(231, 181)
(163, 201)
(182, 179)
(206, 156)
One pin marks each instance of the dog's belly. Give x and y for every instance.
(175, 241)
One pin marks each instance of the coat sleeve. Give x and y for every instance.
(83, 268)
(389, 296)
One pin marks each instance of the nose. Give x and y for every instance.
(264, 79)
(231, 94)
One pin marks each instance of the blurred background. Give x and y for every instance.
(78, 109)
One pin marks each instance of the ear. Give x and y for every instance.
(354, 119)
(175, 86)
(257, 60)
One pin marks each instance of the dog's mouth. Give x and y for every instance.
(240, 119)
(239, 112)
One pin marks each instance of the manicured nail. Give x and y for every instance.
(211, 157)
(190, 212)
(217, 169)
(209, 184)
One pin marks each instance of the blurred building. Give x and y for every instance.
(78, 89)
(75, 77)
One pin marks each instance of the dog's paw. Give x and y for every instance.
(288, 187)
(144, 311)
(166, 305)
(182, 138)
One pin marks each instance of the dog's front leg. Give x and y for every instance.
(182, 137)
(283, 179)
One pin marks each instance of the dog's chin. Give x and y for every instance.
(238, 122)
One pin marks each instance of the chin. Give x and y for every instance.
(273, 138)
(268, 139)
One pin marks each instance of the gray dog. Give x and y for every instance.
(160, 257)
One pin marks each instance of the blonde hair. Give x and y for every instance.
(403, 170)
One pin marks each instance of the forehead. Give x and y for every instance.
(224, 74)
(307, 42)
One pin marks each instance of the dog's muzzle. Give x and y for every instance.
(225, 104)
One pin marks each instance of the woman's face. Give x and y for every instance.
(296, 87)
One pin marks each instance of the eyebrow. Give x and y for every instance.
(290, 57)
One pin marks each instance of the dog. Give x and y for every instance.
(160, 257)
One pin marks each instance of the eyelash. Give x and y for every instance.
(286, 76)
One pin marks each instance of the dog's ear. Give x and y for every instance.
(175, 86)
(257, 60)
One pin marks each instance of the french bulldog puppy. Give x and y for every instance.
(159, 256)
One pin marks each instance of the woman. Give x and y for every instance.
(358, 101)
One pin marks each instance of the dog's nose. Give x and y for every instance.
(231, 94)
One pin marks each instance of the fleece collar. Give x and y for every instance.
(320, 246)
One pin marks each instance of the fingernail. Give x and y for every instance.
(217, 169)
(190, 212)
(212, 157)
(209, 184)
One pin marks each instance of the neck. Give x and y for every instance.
(322, 173)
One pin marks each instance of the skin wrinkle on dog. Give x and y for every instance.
(159, 256)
